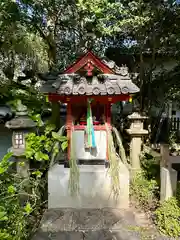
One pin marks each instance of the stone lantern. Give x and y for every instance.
(136, 132)
(21, 125)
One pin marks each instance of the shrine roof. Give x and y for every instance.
(89, 57)
(104, 84)
(91, 76)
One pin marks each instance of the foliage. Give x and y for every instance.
(39, 147)
(23, 199)
(168, 216)
(145, 31)
(20, 202)
(144, 191)
(22, 55)
(174, 142)
(150, 166)
(40, 36)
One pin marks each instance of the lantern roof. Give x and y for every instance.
(21, 120)
(90, 75)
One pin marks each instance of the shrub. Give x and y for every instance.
(22, 200)
(167, 218)
(14, 216)
(144, 191)
(150, 166)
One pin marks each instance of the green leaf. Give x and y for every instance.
(5, 163)
(11, 189)
(37, 173)
(28, 208)
(64, 145)
(39, 156)
(3, 214)
(59, 137)
(45, 157)
(49, 128)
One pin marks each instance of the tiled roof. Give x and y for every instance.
(102, 84)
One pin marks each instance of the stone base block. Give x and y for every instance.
(168, 183)
(95, 188)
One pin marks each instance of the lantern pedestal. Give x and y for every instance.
(22, 167)
(136, 132)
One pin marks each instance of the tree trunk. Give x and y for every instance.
(141, 81)
(55, 117)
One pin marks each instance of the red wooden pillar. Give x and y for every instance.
(69, 128)
(108, 107)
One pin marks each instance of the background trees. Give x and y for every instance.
(42, 36)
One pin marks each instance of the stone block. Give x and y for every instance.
(95, 188)
(168, 183)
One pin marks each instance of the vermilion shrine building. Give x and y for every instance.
(104, 83)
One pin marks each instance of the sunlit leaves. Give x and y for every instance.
(3, 214)
(40, 147)
(28, 208)
(5, 163)
(64, 145)
(11, 189)
(59, 137)
(37, 173)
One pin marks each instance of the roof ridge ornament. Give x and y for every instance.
(110, 63)
(123, 70)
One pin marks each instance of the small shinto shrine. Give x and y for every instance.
(89, 87)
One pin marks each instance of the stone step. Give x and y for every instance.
(89, 235)
(95, 224)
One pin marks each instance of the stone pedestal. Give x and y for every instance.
(168, 183)
(95, 188)
(136, 132)
(22, 167)
(168, 175)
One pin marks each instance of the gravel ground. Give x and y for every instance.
(96, 224)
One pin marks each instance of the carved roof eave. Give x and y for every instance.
(113, 80)
(75, 85)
